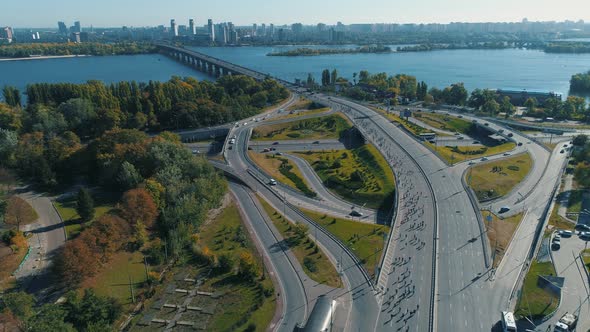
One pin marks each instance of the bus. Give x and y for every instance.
(508, 322)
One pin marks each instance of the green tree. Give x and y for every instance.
(580, 140)
(12, 96)
(128, 177)
(326, 77)
(506, 106)
(20, 304)
(491, 107)
(90, 309)
(8, 144)
(333, 76)
(530, 104)
(85, 205)
(50, 317)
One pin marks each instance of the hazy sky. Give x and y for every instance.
(111, 13)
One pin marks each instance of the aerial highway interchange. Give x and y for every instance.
(436, 271)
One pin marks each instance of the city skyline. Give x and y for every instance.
(152, 13)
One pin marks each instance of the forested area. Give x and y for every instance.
(580, 82)
(93, 135)
(581, 160)
(18, 50)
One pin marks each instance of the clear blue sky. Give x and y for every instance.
(110, 13)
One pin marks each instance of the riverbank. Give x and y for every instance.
(331, 51)
(45, 57)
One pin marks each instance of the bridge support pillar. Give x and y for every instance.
(217, 71)
(209, 68)
(224, 71)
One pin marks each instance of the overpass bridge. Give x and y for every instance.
(210, 65)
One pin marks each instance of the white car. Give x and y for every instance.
(232, 141)
(272, 182)
(566, 233)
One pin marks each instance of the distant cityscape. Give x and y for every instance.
(226, 33)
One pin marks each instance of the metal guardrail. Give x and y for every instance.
(482, 228)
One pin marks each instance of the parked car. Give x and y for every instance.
(555, 245)
(556, 237)
(583, 227)
(585, 235)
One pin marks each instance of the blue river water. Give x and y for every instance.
(509, 69)
(140, 68)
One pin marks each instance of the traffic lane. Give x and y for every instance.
(364, 304)
(302, 147)
(293, 294)
(238, 159)
(368, 215)
(575, 291)
(359, 294)
(418, 150)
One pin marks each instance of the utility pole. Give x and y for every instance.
(146, 267)
(131, 288)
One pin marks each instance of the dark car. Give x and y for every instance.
(356, 213)
(519, 144)
(316, 142)
(275, 143)
(510, 134)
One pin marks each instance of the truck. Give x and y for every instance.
(567, 323)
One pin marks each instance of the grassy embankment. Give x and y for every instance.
(103, 203)
(282, 170)
(314, 262)
(365, 240)
(500, 232)
(536, 302)
(361, 175)
(444, 122)
(327, 127)
(497, 178)
(243, 302)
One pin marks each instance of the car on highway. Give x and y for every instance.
(278, 154)
(245, 123)
(562, 151)
(356, 213)
(566, 233)
(510, 134)
(316, 142)
(504, 209)
(475, 142)
(272, 182)
(519, 144)
(275, 143)
(196, 151)
(265, 150)
(460, 116)
(486, 124)
(501, 131)
(232, 141)
(506, 154)
(471, 163)
(460, 138)
(484, 159)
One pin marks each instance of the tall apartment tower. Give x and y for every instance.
(211, 30)
(63, 29)
(77, 27)
(173, 28)
(191, 26)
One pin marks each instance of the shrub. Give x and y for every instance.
(310, 264)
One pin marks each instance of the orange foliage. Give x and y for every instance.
(138, 206)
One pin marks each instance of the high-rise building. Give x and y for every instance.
(211, 30)
(254, 30)
(173, 28)
(63, 29)
(221, 33)
(191, 27)
(77, 27)
(263, 30)
(271, 31)
(7, 34)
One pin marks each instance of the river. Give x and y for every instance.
(140, 68)
(508, 69)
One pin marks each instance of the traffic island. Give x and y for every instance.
(492, 180)
(500, 232)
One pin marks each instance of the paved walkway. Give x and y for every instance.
(48, 236)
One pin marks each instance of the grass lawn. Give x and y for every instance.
(243, 302)
(361, 175)
(113, 279)
(497, 178)
(363, 239)
(557, 221)
(67, 211)
(301, 104)
(575, 201)
(454, 154)
(282, 170)
(10, 259)
(534, 301)
(500, 232)
(326, 127)
(299, 112)
(444, 122)
(323, 270)
(586, 258)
